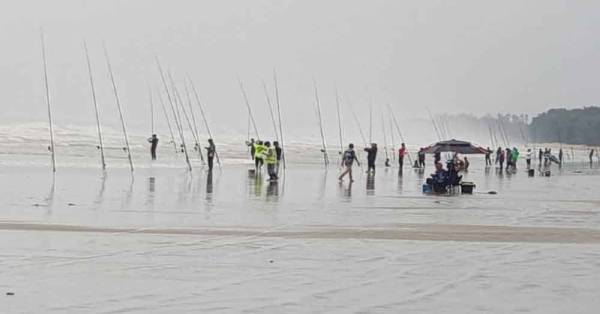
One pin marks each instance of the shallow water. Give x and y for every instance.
(164, 240)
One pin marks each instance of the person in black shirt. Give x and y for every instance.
(211, 151)
(371, 156)
(154, 143)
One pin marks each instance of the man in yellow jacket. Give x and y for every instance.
(271, 160)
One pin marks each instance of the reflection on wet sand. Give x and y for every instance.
(370, 184)
(151, 192)
(273, 190)
(100, 197)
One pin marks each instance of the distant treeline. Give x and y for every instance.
(574, 126)
(501, 130)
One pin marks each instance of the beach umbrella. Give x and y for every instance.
(455, 146)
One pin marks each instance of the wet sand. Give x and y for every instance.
(421, 232)
(164, 241)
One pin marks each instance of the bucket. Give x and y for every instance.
(531, 172)
(467, 187)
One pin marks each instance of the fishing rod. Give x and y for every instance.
(93, 90)
(151, 110)
(189, 100)
(392, 138)
(112, 79)
(318, 103)
(435, 127)
(339, 118)
(48, 101)
(279, 117)
(357, 121)
(270, 110)
(164, 110)
(179, 105)
(370, 122)
(177, 122)
(399, 132)
(249, 108)
(203, 114)
(385, 145)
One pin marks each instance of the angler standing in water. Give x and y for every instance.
(371, 156)
(211, 150)
(271, 160)
(348, 159)
(488, 159)
(154, 143)
(421, 158)
(252, 147)
(540, 156)
(401, 154)
(259, 154)
(279, 152)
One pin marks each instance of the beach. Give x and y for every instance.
(166, 240)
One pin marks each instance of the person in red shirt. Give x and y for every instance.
(401, 154)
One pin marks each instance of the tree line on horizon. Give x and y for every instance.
(569, 126)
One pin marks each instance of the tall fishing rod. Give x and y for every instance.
(51, 127)
(177, 122)
(268, 99)
(399, 132)
(360, 130)
(393, 140)
(318, 103)
(189, 100)
(435, 127)
(179, 105)
(164, 110)
(203, 114)
(339, 120)
(249, 108)
(93, 90)
(279, 117)
(151, 110)
(370, 122)
(112, 79)
(385, 144)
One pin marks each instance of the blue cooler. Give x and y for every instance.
(427, 188)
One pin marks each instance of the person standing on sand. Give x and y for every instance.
(154, 143)
(371, 156)
(422, 158)
(560, 156)
(349, 157)
(488, 159)
(500, 159)
(528, 156)
(591, 156)
(271, 160)
(211, 151)
(251, 144)
(279, 152)
(540, 156)
(401, 154)
(259, 155)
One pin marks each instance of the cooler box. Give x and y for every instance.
(427, 188)
(467, 187)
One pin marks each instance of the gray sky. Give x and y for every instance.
(463, 56)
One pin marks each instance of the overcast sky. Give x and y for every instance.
(451, 56)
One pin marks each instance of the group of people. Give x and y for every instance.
(263, 152)
(349, 157)
(211, 150)
(508, 156)
(442, 178)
